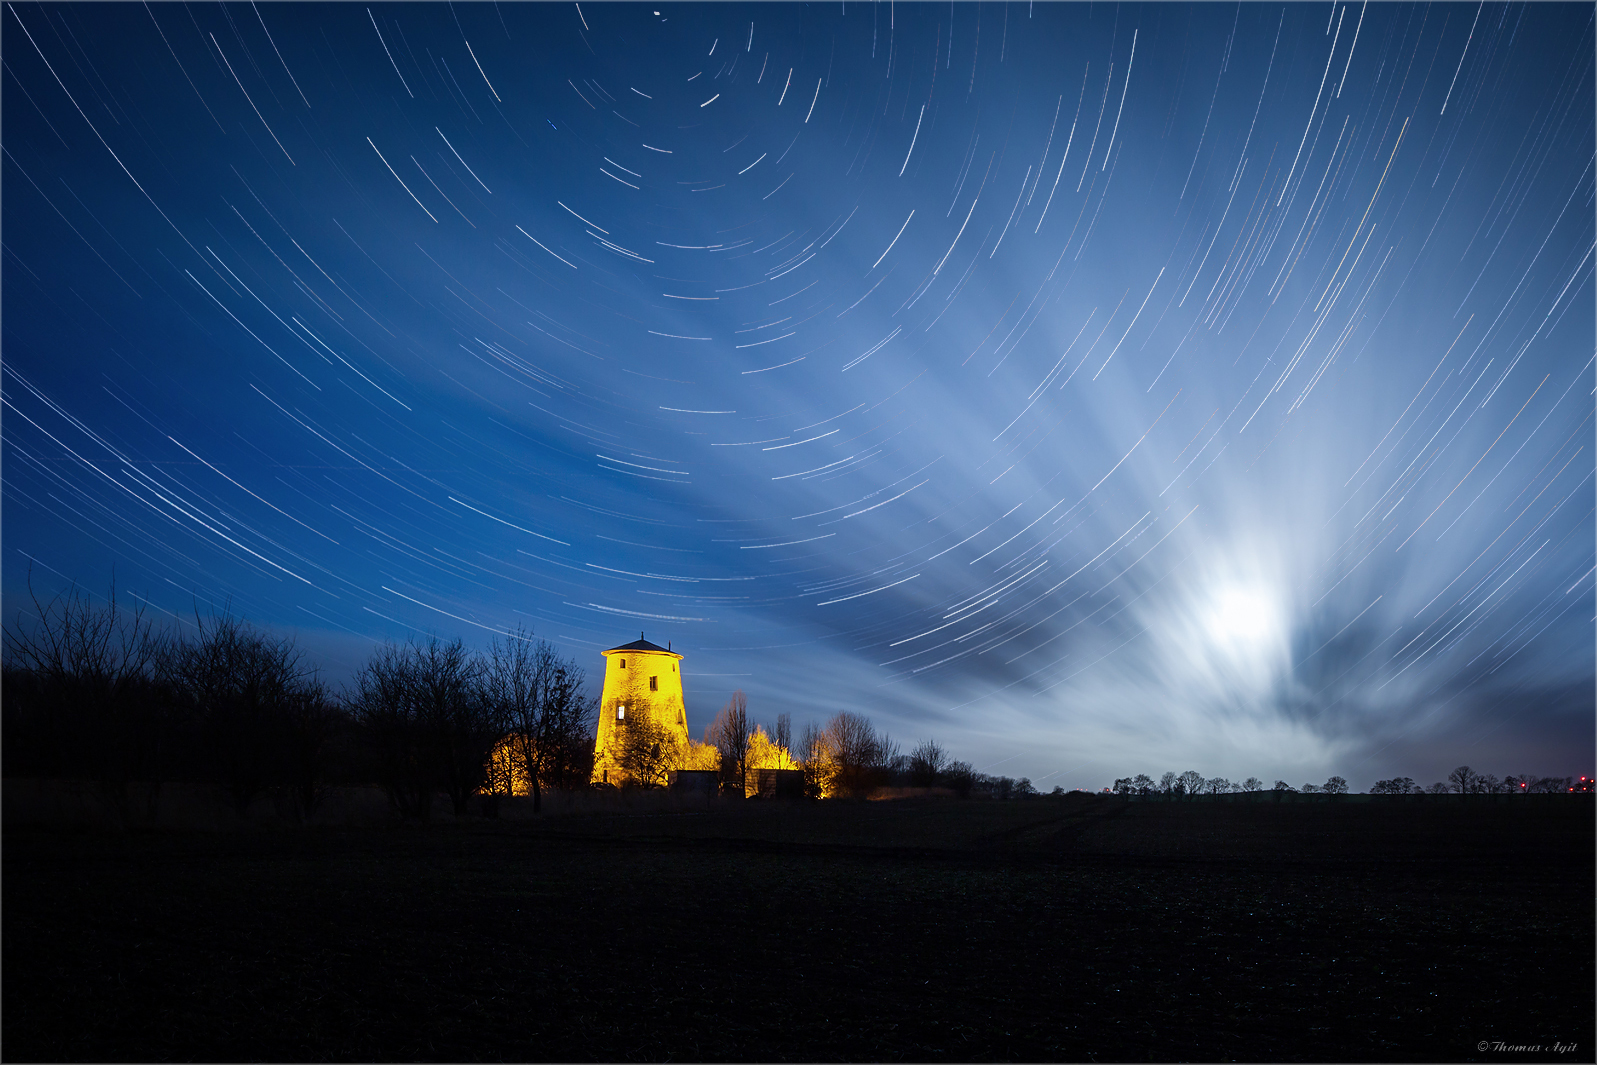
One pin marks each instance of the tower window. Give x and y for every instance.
(621, 713)
(623, 663)
(654, 684)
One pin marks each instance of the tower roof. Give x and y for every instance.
(645, 646)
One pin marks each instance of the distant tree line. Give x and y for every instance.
(1461, 781)
(97, 693)
(1465, 781)
(844, 758)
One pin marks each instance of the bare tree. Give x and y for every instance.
(926, 763)
(569, 716)
(309, 722)
(93, 672)
(730, 733)
(1282, 785)
(425, 722)
(382, 704)
(851, 746)
(959, 776)
(1191, 782)
(646, 751)
(444, 679)
(535, 701)
(783, 736)
(1143, 784)
(1168, 785)
(1335, 786)
(1462, 780)
(817, 773)
(510, 688)
(258, 705)
(1252, 784)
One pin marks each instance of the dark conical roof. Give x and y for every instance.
(641, 644)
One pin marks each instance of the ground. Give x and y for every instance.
(1086, 928)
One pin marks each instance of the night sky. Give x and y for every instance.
(1098, 388)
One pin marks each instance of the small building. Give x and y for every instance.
(777, 783)
(696, 781)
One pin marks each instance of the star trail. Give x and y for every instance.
(1097, 388)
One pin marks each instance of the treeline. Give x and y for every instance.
(97, 693)
(844, 758)
(1461, 781)
(1465, 781)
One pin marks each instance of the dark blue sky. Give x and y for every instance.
(1100, 388)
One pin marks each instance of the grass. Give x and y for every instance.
(1080, 929)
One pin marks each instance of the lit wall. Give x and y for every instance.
(628, 695)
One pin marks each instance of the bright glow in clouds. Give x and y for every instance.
(1243, 619)
(1091, 416)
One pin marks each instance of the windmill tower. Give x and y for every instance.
(642, 682)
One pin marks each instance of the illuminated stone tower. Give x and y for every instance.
(642, 681)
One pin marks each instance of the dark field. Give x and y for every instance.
(1077, 929)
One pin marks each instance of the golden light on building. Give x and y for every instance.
(642, 738)
(764, 753)
(643, 722)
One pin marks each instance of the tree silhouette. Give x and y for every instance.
(96, 697)
(391, 731)
(926, 763)
(646, 751)
(262, 714)
(535, 700)
(730, 734)
(426, 725)
(460, 733)
(848, 755)
(959, 776)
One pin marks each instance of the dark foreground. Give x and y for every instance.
(1077, 929)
